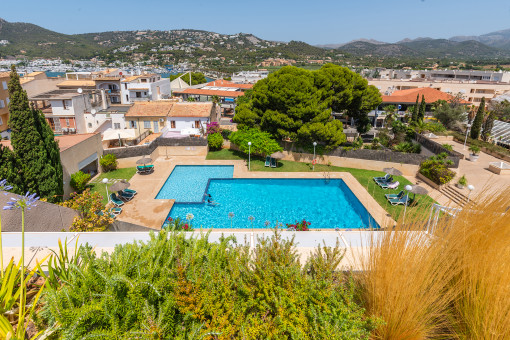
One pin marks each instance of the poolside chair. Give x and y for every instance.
(385, 178)
(403, 200)
(385, 181)
(395, 196)
(115, 200)
(149, 168)
(140, 169)
(268, 161)
(130, 191)
(125, 196)
(115, 211)
(393, 185)
(273, 162)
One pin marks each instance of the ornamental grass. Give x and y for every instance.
(453, 282)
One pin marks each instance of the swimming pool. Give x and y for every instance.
(326, 204)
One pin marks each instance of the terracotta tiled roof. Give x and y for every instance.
(5, 74)
(219, 93)
(131, 78)
(191, 110)
(150, 109)
(79, 82)
(64, 142)
(226, 83)
(409, 96)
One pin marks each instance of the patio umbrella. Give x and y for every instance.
(418, 190)
(120, 185)
(278, 155)
(144, 160)
(392, 171)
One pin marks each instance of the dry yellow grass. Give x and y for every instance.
(452, 283)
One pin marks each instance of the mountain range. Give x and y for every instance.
(35, 41)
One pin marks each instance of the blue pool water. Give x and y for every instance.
(327, 205)
(187, 183)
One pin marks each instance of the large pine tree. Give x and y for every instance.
(478, 121)
(416, 109)
(35, 151)
(487, 126)
(421, 112)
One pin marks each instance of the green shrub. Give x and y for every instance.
(108, 162)
(447, 147)
(79, 181)
(462, 180)
(474, 149)
(215, 141)
(407, 147)
(177, 287)
(436, 169)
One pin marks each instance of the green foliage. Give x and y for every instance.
(295, 103)
(196, 78)
(478, 121)
(108, 162)
(447, 147)
(357, 143)
(501, 110)
(422, 127)
(215, 141)
(79, 181)
(421, 112)
(177, 225)
(177, 287)
(93, 215)
(407, 147)
(462, 181)
(436, 169)
(416, 109)
(449, 113)
(474, 149)
(36, 154)
(488, 125)
(261, 142)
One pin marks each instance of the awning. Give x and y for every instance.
(112, 134)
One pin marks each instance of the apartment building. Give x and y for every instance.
(144, 87)
(4, 105)
(249, 77)
(107, 80)
(440, 75)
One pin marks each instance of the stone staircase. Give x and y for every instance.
(457, 196)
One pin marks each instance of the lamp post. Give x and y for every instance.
(465, 140)
(105, 181)
(313, 161)
(408, 188)
(249, 156)
(471, 188)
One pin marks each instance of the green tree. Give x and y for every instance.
(421, 112)
(477, 123)
(449, 113)
(501, 110)
(215, 141)
(261, 142)
(487, 126)
(9, 169)
(196, 78)
(37, 156)
(416, 109)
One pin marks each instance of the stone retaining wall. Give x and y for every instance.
(436, 148)
(145, 150)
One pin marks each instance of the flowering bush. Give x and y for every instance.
(299, 226)
(90, 207)
(177, 224)
(212, 128)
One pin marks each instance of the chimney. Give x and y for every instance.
(104, 104)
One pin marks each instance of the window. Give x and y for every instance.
(1, 121)
(146, 124)
(89, 125)
(197, 124)
(132, 124)
(172, 124)
(66, 104)
(67, 122)
(143, 80)
(127, 97)
(8, 100)
(52, 123)
(138, 94)
(116, 126)
(2, 104)
(4, 85)
(125, 86)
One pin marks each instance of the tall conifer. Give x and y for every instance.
(478, 121)
(423, 105)
(416, 107)
(38, 158)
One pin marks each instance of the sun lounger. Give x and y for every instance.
(385, 178)
(115, 200)
(268, 161)
(393, 185)
(395, 196)
(140, 169)
(125, 196)
(385, 181)
(273, 162)
(404, 200)
(130, 191)
(115, 211)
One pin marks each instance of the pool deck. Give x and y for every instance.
(146, 210)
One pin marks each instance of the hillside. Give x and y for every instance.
(498, 39)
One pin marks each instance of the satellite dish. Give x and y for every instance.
(80, 90)
(93, 111)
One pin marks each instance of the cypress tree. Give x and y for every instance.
(487, 126)
(421, 112)
(478, 121)
(9, 168)
(416, 107)
(38, 158)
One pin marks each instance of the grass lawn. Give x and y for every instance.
(97, 186)
(364, 177)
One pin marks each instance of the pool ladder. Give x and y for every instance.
(327, 177)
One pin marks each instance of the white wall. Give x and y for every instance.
(185, 123)
(151, 88)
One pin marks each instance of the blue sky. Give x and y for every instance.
(315, 22)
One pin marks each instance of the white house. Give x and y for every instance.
(144, 87)
(188, 118)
